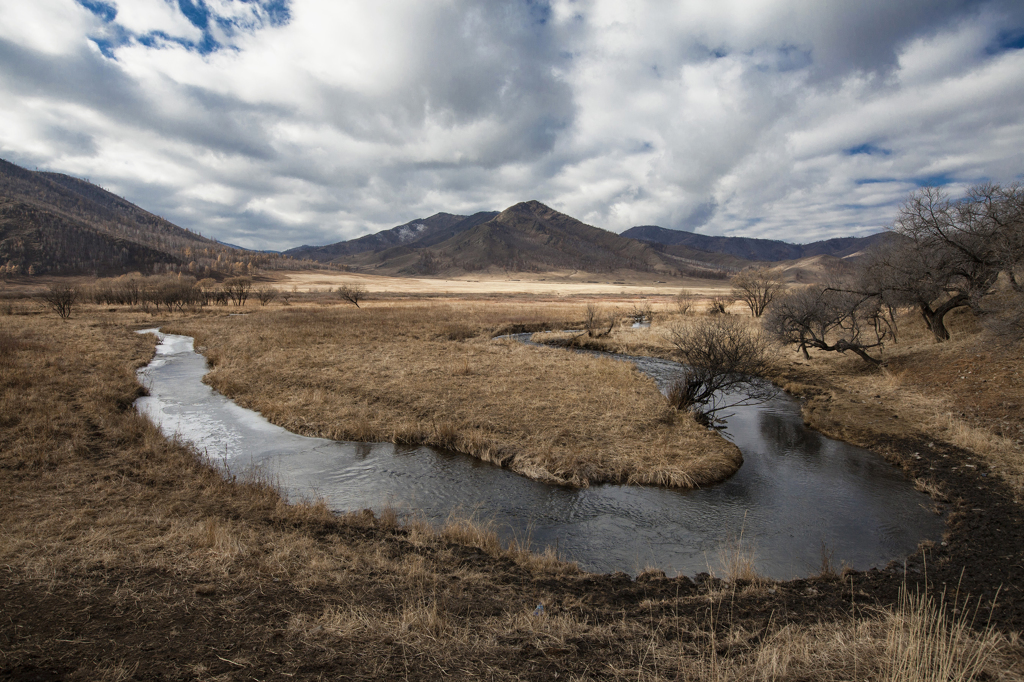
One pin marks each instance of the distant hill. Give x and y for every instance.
(527, 237)
(421, 232)
(533, 237)
(52, 223)
(769, 250)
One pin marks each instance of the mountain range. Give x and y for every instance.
(767, 250)
(527, 237)
(52, 223)
(532, 237)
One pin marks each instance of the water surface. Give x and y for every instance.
(795, 491)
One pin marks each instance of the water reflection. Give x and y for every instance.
(795, 490)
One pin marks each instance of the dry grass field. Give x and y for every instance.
(125, 556)
(430, 373)
(566, 284)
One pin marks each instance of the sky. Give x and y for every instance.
(275, 123)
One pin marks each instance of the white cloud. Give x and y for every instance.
(734, 117)
(49, 26)
(151, 16)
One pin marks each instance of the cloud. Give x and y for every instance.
(273, 123)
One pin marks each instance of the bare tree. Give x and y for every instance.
(207, 290)
(129, 289)
(353, 293)
(596, 322)
(61, 298)
(948, 254)
(266, 294)
(237, 289)
(832, 318)
(757, 287)
(685, 301)
(726, 361)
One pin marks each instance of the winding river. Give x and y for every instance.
(796, 492)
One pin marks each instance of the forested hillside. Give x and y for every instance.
(56, 224)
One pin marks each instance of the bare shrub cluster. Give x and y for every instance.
(726, 360)
(61, 298)
(685, 301)
(597, 322)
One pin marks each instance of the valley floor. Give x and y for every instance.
(125, 556)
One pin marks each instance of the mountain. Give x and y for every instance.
(533, 237)
(56, 224)
(527, 237)
(769, 250)
(422, 232)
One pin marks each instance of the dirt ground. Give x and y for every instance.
(123, 556)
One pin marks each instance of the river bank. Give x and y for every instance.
(107, 524)
(796, 492)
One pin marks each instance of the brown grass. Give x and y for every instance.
(965, 392)
(429, 373)
(125, 556)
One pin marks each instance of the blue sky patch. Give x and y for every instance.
(104, 11)
(933, 180)
(868, 149)
(196, 12)
(1006, 41)
(277, 12)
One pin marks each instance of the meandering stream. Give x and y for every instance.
(796, 490)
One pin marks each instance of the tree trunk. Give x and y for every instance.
(803, 347)
(843, 346)
(937, 323)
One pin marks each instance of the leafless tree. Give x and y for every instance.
(948, 254)
(237, 289)
(61, 298)
(353, 293)
(207, 290)
(129, 289)
(597, 322)
(726, 360)
(757, 287)
(684, 301)
(832, 318)
(266, 294)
